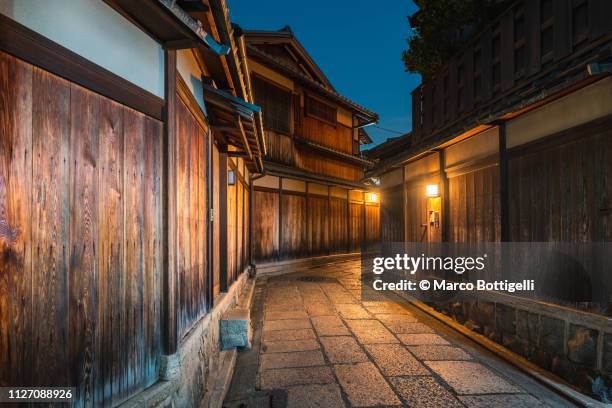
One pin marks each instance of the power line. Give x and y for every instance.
(389, 130)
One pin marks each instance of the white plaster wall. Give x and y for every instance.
(392, 178)
(425, 166)
(188, 68)
(476, 147)
(584, 105)
(98, 33)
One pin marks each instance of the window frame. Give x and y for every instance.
(290, 110)
(307, 112)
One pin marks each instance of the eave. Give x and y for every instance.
(235, 120)
(168, 24)
(333, 152)
(280, 170)
(364, 114)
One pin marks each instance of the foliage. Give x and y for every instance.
(440, 27)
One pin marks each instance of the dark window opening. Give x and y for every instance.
(580, 22)
(546, 33)
(519, 60)
(460, 82)
(321, 110)
(275, 103)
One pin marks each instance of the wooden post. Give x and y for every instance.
(223, 217)
(209, 223)
(445, 199)
(280, 218)
(503, 184)
(170, 297)
(348, 223)
(308, 227)
(329, 221)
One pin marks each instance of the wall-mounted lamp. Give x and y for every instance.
(231, 177)
(431, 190)
(373, 197)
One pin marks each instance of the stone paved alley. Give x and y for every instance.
(317, 343)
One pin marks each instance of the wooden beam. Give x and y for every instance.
(170, 298)
(223, 218)
(220, 128)
(245, 140)
(503, 184)
(445, 199)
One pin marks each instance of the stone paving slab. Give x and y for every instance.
(422, 339)
(286, 377)
(408, 328)
(287, 324)
(350, 311)
(436, 353)
(395, 360)
(325, 344)
(292, 359)
(315, 396)
(424, 392)
(371, 332)
(289, 346)
(343, 349)
(279, 335)
(329, 326)
(365, 386)
(502, 401)
(320, 309)
(467, 377)
(295, 314)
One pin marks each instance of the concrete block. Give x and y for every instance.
(235, 329)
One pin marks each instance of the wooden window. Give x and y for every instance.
(546, 33)
(460, 82)
(446, 102)
(519, 42)
(580, 21)
(276, 105)
(321, 110)
(496, 54)
(477, 74)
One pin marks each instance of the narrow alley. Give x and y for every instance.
(318, 343)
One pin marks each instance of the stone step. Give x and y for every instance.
(235, 329)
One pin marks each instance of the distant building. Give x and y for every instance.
(311, 200)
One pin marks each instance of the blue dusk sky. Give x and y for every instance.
(357, 44)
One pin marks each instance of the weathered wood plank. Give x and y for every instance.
(15, 221)
(83, 334)
(110, 253)
(134, 243)
(153, 236)
(50, 229)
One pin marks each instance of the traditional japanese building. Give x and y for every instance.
(129, 138)
(511, 141)
(312, 200)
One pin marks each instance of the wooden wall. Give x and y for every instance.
(560, 189)
(192, 143)
(80, 238)
(237, 221)
(294, 224)
(474, 207)
(392, 214)
(266, 225)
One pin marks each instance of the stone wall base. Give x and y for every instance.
(574, 345)
(190, 377)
